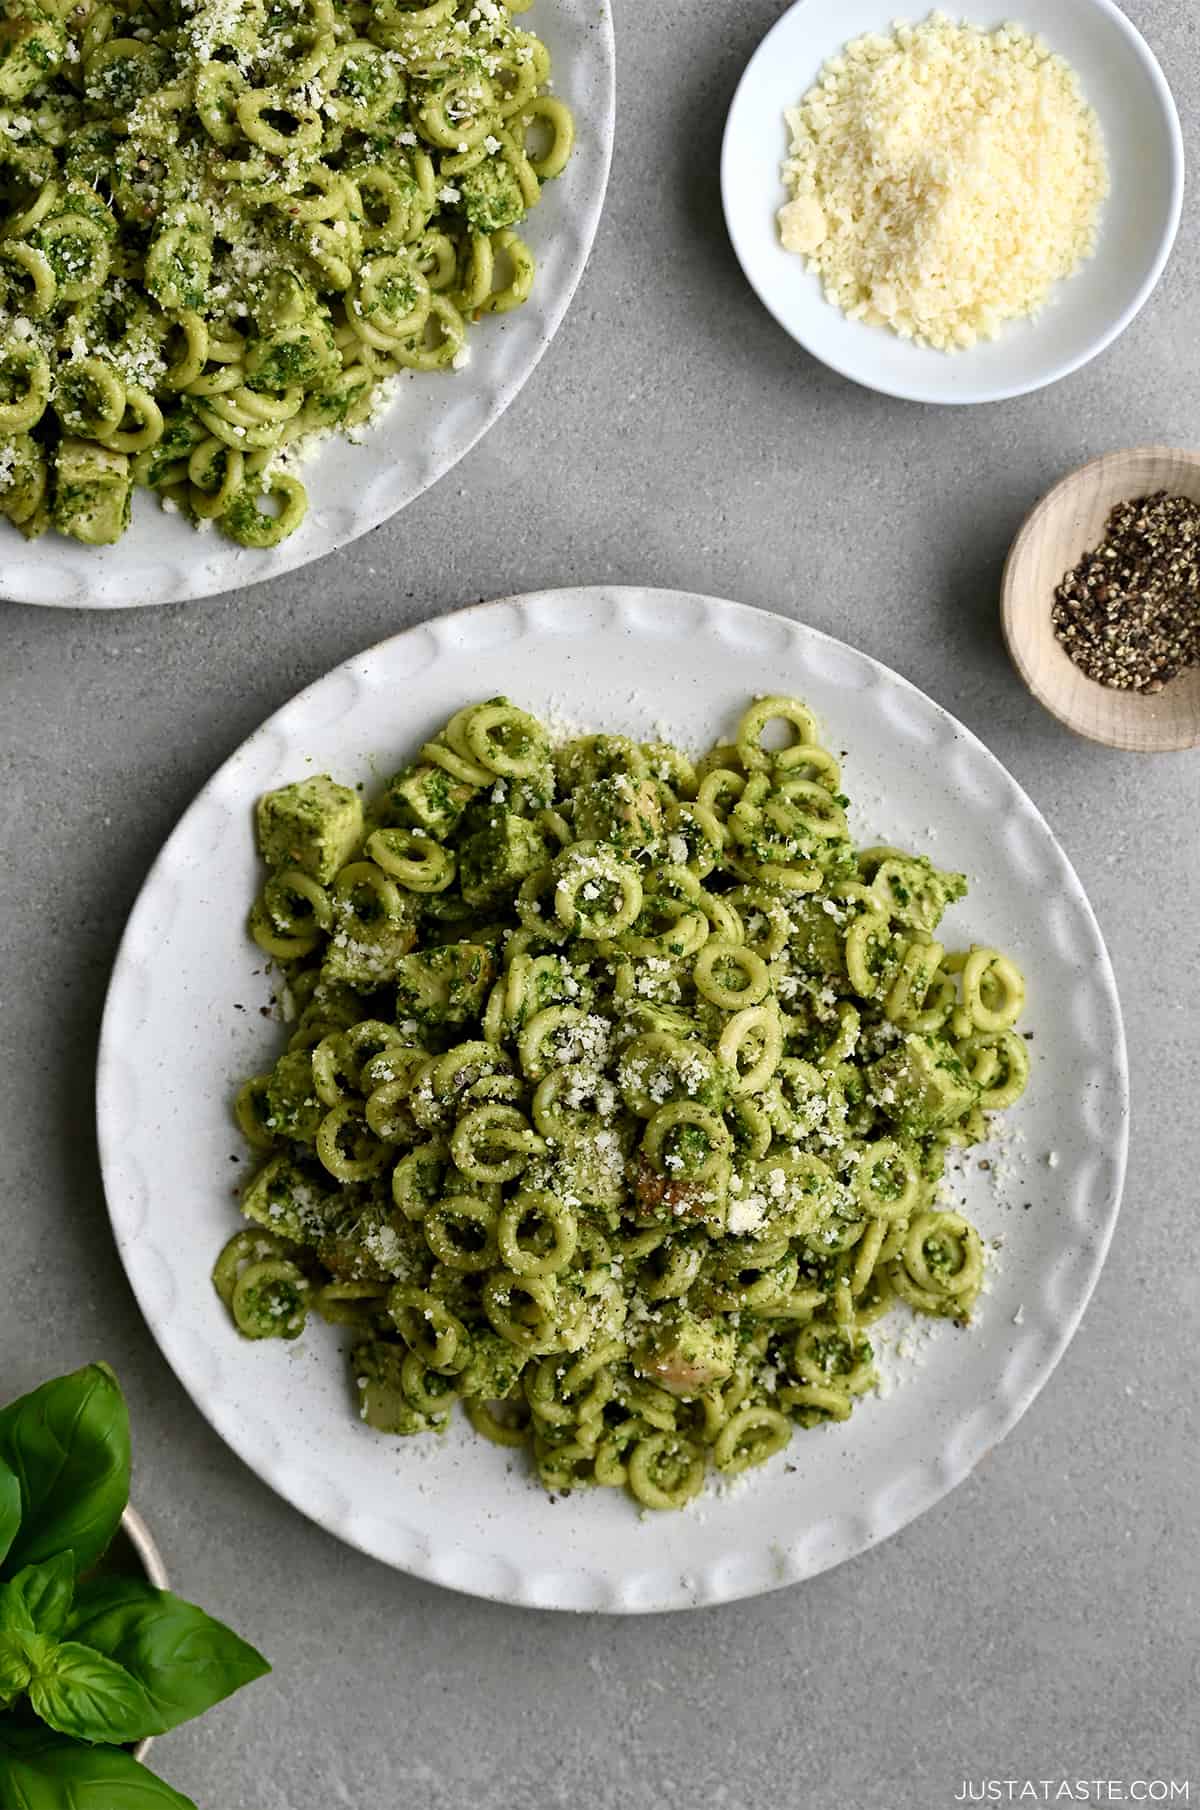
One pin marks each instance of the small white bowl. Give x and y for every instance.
(1123, 82)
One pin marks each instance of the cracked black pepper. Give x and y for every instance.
(1129, 612)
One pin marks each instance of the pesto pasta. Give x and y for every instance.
(618, 1094)
(227, 225)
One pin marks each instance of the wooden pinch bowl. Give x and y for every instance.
(1066, 523)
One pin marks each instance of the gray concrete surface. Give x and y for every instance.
(1042, 1622)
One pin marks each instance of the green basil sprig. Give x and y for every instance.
(184, 1659)
(68, 1445)
(38, 1599)
(44, 1771)
(103, 1661)
(10, 1507)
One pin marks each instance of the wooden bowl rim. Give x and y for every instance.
(1126, 704)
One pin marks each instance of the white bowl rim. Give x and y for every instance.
(1095, 346)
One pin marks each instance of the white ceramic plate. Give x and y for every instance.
(1124, 84)
(435, 421)
(182, 1025)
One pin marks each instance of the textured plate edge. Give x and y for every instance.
(652, 1590)
(587, 225)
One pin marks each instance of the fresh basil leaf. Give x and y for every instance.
(90, 1696)
(10, 1507)
(185, 1660)
(15, 1669)
(42, 1771)
(39, 1598)
(68, 1443)
(16, 1617)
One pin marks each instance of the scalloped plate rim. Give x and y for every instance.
(649, 1590)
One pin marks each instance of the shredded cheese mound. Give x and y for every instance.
(943, 179)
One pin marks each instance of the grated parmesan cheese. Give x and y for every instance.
(943, 179)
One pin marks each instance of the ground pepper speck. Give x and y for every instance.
(1129, 613)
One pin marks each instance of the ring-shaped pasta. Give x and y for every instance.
(420, 353)
(683, 933)
(803, 1102)
(347, 1146)
(416, 861)
(597, 895)
(752, 1126)
(147, 430)
(391, 300)
(886, 1181)
(216, 473)
(428, 1327)
(993, 990)
(523, 1310)
(814, 808)
(494, 1143)
(719, 953)
(750, 1437)
(526, 68)
(389, 1113)
(687, 1141)
(89, 398)
(907, 1001)
(940, 1266)
(807, 760)
(507, 1428)
(252, 1111)
(703, 836)
(545, 109)
(659, 1066)
(506, 741)
(460, 1230)
(522, 270)
(720, 789)
(998, 1063)
(811, 1403)
(537, 1233)
(46, 198)
(670, 1271)
(252, 1244)
(844, 1041)
(427, 1390)
(665, 1471)
(36, 266)
(866, 947)
(194, 355)
(458, 112)
(451, 752)
(270, 1300)
(252, 109)
(218, 87)
(563, 1465)
(392, 211)
(284, 920)
(417, 1179)
(757, 1030)
(247, 521)
(79, 251)
(360, 83)
(750, 730)
(574, 1120)
(297, 903)
(826, 1354)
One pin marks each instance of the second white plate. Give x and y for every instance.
(182, 1026)
(354, 485)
